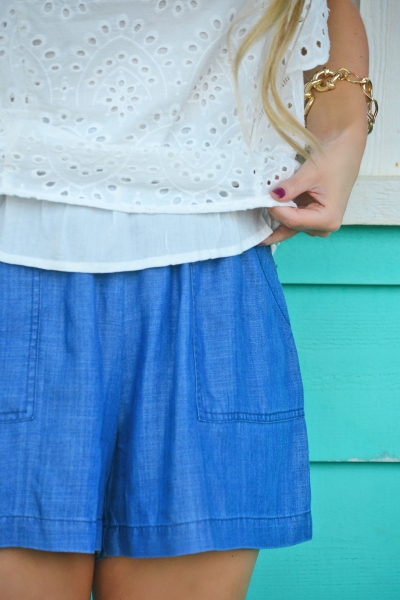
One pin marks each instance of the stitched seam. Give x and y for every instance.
(123, 525)
(38, 321)
(33, 344)
(14, 412)
(194, 328)
(47, 519)
(27, 413)
(213, 418)
(262, 414)
(30, 344)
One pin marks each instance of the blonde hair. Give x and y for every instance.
(284, 16)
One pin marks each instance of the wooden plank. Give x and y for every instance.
(355, 551)
(381, 20)
(348, 339)
(353, 255)
(374, 201)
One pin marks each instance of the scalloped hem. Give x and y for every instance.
(256, 201)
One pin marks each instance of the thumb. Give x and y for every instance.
(297, 184)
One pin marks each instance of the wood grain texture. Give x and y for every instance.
(349, 349)
(355, 551)
(354, 255)
(374, 201)
(382, 157)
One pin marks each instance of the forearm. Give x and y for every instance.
(338, 118)
(343, 108)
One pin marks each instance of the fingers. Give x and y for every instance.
(283, 233)
(313, 212)
(313, 217)
(280, 234)
(320, 207)
(299, 183)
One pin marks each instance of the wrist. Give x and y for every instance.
(337, 111)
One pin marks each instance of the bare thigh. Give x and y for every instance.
(215, 575)
(37, 575)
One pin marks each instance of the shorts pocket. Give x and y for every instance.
(19, 330)
(246, 361)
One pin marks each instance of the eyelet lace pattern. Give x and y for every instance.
(130, 106)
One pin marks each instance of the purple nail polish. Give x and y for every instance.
(280, 192)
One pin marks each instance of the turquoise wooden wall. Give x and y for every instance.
(343, 294)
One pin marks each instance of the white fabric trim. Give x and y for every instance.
(137, 264)
(62, 237)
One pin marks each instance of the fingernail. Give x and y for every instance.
(280, 192)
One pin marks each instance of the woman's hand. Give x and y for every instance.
(321, 188)
(338, 119)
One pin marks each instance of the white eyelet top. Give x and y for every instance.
(120, 116)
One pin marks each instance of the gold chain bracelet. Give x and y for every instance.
(324, 81)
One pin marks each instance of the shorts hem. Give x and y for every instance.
(202, 536)
(53, 535)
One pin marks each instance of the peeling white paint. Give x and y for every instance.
(386, 458)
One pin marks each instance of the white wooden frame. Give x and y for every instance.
(375, 199)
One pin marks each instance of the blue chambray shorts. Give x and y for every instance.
(151, 413)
